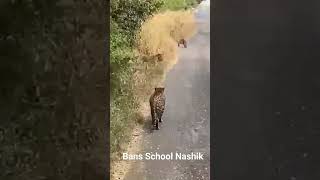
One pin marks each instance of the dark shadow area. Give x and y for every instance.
(266, 90)
(53, 91)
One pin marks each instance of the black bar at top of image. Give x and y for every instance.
(266, 90)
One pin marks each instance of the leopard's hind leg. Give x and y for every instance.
(160, 117)
(155, 122)
(153, 116)
(157, 125)
(161, 111)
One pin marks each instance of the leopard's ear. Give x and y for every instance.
(159, 89)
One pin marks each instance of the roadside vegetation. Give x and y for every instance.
(52, 90)
(178, 4)
(139, 31)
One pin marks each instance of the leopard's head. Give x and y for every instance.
(159, 89)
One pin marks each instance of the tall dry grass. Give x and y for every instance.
(160, 33)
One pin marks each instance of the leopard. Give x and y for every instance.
(157, 106)
(159, 57)
(183, 42)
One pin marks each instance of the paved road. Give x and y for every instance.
(186, 126)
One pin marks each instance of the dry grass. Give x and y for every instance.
(160, 33)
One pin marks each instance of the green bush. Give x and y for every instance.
(126, 18)
(129, 14)
(178, 4)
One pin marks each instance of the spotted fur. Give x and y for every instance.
(157, 105)
(159, 57)
(183, 42)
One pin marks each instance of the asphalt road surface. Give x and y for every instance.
(186, 121)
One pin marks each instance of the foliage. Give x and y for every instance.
(19, 22)
(46, 130)
(126, 18)
(129, 14)
(178, 4)
(122, 99)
